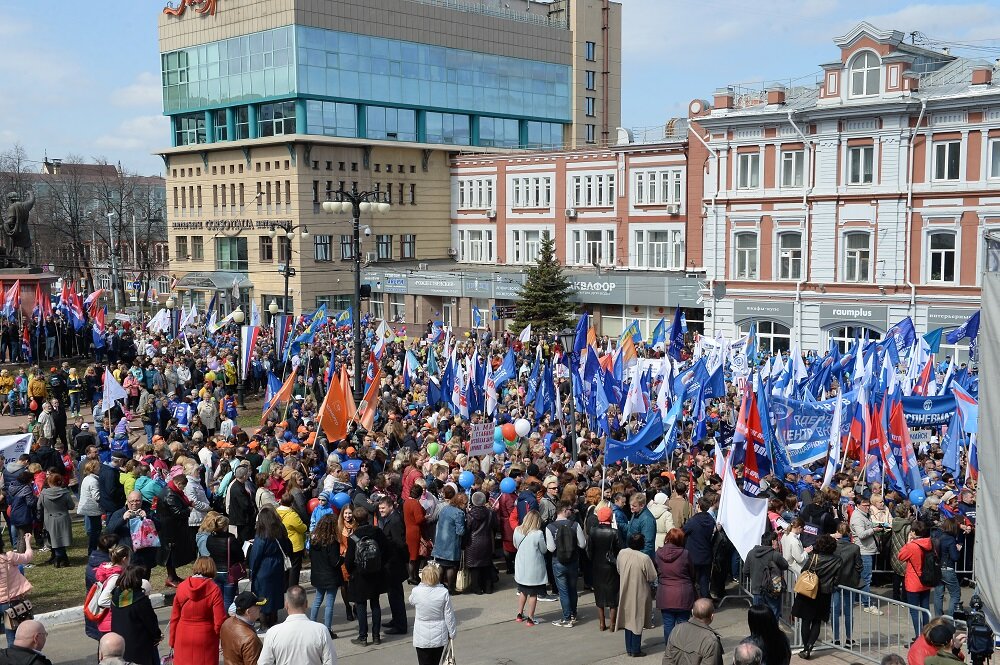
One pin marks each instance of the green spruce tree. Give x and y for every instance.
(545, 297)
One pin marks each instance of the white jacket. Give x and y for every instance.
(664, 521)
(794, 553)
(199, 501)
(434, 622)
(90, 497)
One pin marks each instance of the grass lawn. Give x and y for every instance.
(56, 588)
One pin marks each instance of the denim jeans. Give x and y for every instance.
(92, 525)
(6, 626)
(703, 572)
(949, 582)
(328, 595)
(633, 642)
(149, 433)
(228, 590)
(772, 603)
(74, 402)
(867, 566)
(671, 618)
(363, 618)
(843, 604)
(566, 575)
(920, 599)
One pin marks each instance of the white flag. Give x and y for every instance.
(112, 390)
(635, 401)
(160, 322)
(743, 517)
(834, 456)
(236, 288)
(525, 334)
(720, 460)
(254, 314)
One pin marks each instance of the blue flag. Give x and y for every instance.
(933, 339)
(477, 317)
(677, 334)
(582, 328)
(646, 447)
(904, 334)
(968, 329)
(507, 370)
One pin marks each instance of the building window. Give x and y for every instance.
(181, 248)
(163, 284)
(658, 187)
(448, 128)
(748, 170)
(189, 129)
(857, 257)
(397, 308)
(331, 119)
(658, 249)
(377, 306)
(231, 254)
(792, 163)
(475, 194)
(861, 165)
(321, 248)
(594, 247)
(594, 190)
(346, 247)
(994, 159)
(790, 255)
(221, 127)
(391, 124)
(197, 248)
(590, 104)
(499, 132)
(413, 194)
(591, 133)
(591, 80)
(383, 245)
(284, 250)
(276, 119)
(746, 256)
(266, 249)
(947, 160)
(408, 246)
(532, 192)
(524, 246)
(866, 74)
(476, 245)
(941, 256)
(772, 337)
(591, 51)
(844, 337)
(242, 123)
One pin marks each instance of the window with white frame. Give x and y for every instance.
(532, 192)
(994, 158)
(792, 165)
(772, 337)
(475, 193)
(476, 245)
(346, 247)
(857, 257)
(659, 249)
(861, 165)
(448, 312)
(321, 247)
(790, 255)
(377, 306)
(748, 170)
(746, 255)
(947, 160)
(941, 257)
(866, 75)
(594, 247)
(397, 308)
(658, 187)
(383, 245)
(524, 246)
(594, 190)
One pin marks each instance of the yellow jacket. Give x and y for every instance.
(38, 388)
(6, 384)
(295, 527)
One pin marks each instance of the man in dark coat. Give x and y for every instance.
(391, 523)
(699, 531)
(109, 481)
(366, 586)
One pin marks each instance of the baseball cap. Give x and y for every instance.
(85, 426)
(948, 496)
(247, 599)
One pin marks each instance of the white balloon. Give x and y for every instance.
(522, 427)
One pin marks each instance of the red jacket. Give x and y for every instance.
(912, 554)
(195, 621)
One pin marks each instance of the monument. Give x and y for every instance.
(16, 232)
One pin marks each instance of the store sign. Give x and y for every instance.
(431, 285)
(477, 287)
(388, 282)
(507, 286)
(229, 225)
(947, 317)
(773, 310)
(599, 288)
(869, 316)
(200, 7)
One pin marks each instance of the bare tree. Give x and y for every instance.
(15, 172)
(68, 215)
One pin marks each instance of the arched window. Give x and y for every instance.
(790, 255)
(772, 336)
(866, 74)
(844, 336)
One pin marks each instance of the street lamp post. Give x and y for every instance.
(567, 338)
(238, 318)
(170, 304)
(289, 234)
(356, 203)
(114, 266)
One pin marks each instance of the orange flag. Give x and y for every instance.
(345, 385)
(366, 410)
(333, 415)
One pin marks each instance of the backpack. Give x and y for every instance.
(566, 542)
(91, 610)
(930, 569)
(367, 555)
(772, 582)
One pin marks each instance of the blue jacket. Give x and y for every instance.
(448, 535)
(645, 524)
(699, 531)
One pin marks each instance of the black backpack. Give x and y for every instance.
(367, 555)
(566, 542)
(930, 570)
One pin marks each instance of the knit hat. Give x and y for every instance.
(478, 499)
(604, 515)
(660, 498)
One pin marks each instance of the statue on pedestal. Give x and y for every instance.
(16, 233)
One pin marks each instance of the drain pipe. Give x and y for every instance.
(806, 191)
(909, 202)
(715, 224)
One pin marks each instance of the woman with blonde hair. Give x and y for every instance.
(434, 623)
(205, 529)
(529, 566)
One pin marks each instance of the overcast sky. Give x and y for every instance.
(83, 78)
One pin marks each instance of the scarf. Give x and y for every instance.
(177, 490)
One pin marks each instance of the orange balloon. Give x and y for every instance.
(509, 433)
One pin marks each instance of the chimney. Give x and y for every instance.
(911, 81)
(946, 50)
(775, 94)
(982, 75)
(724, 98)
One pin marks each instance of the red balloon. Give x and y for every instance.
(312, 505)
(509, 433)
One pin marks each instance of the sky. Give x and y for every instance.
(82, 79)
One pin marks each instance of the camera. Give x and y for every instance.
(980, 636)
(368, 232)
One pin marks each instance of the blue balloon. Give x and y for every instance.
(917, 497)
(498, 436)
(466, 479)
(508, 485)
(341, 499)
(499, 448)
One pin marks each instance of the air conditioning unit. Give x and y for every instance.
(492, 213)
(452, 252)
(673, 209)
(371, 257)
(421, 266)
(571, 213)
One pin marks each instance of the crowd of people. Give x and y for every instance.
(168, 477)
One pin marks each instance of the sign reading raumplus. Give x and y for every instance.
(870, 316)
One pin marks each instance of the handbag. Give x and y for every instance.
(285, 561)
(808, 582)
(448, 655)
(463, 579)
(425, 549)
(143, 532)
(18, 610)
(234, 571)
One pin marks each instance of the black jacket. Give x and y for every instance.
(22, 656)
(112, 490)
(762, 562)
(850, 563)
(242, 511)
(326, 562)
(366, 587)
(699, 531)
(48, 458)
(479, 526)
(398, 555)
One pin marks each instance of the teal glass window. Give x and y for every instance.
(219, 123)
(332, 118)
(391, 124)
(499, 132)
(231, 254)
(545, 135)
(189, 129)
(276, 119)
(242, 123)
(448, 128)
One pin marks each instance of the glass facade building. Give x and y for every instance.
(306, 80)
